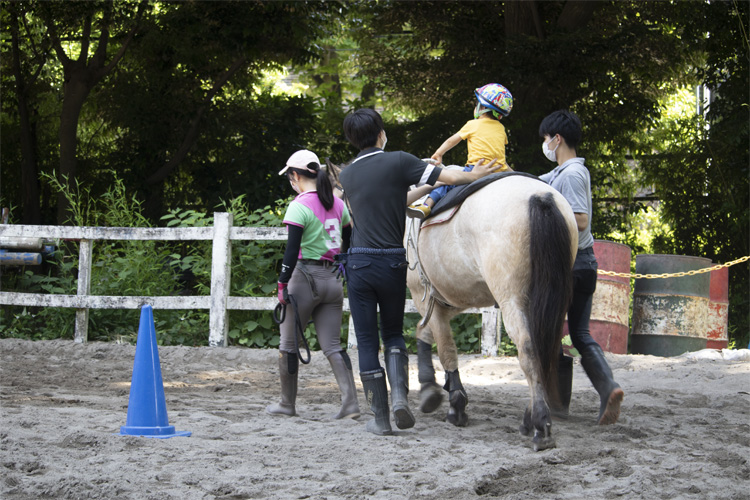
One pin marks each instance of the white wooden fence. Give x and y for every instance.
(219, 302)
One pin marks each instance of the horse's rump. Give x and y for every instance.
(511, 243)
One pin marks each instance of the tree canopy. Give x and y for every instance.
(176, 98)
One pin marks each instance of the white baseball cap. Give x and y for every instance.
(301, 159)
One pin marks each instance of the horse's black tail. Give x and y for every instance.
(551, 287)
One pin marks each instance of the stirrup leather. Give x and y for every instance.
(429, 288)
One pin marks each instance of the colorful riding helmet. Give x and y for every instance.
(495, 97)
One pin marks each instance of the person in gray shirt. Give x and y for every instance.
(561, 131)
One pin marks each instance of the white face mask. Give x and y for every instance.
(550, 153)
(385, 140)
(294, 185)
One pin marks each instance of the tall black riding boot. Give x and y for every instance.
(564, 386)
(288, 369)
(610, 393)
(397, 368)
(430, 392)
(377, 396)
(342, 370)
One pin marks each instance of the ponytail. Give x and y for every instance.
(322, 183)
(325, 189)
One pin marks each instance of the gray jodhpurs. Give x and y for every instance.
(320, 295)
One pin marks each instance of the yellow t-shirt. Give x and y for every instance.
(485, 139)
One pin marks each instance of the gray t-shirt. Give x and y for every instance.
(375, 185)
(573, 181)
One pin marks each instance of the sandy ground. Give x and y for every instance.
(684, 432)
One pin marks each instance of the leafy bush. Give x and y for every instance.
(151, 268)
(118, 268)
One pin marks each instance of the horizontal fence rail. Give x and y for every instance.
(219, 302)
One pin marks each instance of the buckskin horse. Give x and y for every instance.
(510, 243)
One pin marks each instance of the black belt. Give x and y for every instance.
(313, 262)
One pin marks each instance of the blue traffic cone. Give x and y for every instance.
(147, 408)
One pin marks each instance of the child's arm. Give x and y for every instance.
(417, 193)
(449, 144)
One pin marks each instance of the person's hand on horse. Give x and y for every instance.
(283, 293)
(484, 169)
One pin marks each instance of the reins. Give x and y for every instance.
(279, 315)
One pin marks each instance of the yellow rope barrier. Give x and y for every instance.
(676, 275)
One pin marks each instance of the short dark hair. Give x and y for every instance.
(362, 127)
(565, 123)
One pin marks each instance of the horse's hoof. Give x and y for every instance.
(430, 397)
(543, 438)
(456, 413)
(457, 418)
(611, 411)
(543, 443)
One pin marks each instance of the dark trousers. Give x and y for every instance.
(376, 280)
(579, 312)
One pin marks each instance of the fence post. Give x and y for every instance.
(221, 260)
(351, 338)
(489, 342)
(84, 288)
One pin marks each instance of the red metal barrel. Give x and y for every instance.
(610, 307)
(670, 315)
(718, 315)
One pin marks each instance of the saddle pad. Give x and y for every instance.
(443, 216)
(457, 195)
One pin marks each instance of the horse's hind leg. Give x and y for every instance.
(537, 421)
(430, 392)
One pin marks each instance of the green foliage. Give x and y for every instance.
(467, 333)
(189, 117)
(118, 268)
(254, 266)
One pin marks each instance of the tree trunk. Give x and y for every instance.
(522, 18)
(191, 136)
(31, 210)
(74, 95)
(80, 76)
(523, 21)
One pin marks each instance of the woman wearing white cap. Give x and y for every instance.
(317, 224)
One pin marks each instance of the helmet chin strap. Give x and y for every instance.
(479, 110)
